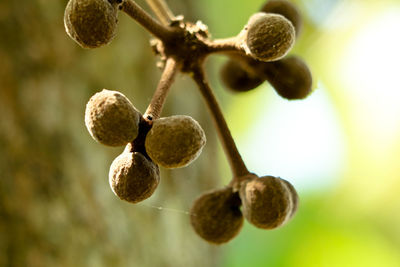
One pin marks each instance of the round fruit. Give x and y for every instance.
(238, 79)
(295, 197)
(286, 9)
(267, 202)
(133, 177)
(290, 77)
(175, 141)
(111, 119)
(216, 215)
(91, 23)
(269, 36)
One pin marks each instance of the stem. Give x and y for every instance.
(224, 45)
(154, 27)
(161, 10)
(235, 160)
(157, 102)
(231, 45)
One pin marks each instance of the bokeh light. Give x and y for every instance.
(340, 147)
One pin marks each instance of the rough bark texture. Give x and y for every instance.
(56, 206)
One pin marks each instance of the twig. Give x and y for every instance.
(154, 27)
(235, 160)
(161, 10)
(223, 45)
(229, 45)
(154, 109)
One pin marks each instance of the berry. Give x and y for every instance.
(111, 119)
(175, 141)
(286, 9)
(267, 202)
(290, 77)
(238, 79)
(295, 197)
(216, 215)
(133, 177)
(91, 23)
(269, 36)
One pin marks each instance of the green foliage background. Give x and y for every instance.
(56, 208)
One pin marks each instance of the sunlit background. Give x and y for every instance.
(340, 147)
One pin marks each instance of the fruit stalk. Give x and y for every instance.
(225, 45)
(154, 109)
(235, 160)
(161, 10)
(142, 17)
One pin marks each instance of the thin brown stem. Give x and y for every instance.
(229, 45)
(224, 45)
(235, 160)
(161, 10)
(154, 109)
(154, 27)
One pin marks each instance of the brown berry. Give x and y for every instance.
(267, 202)
(91, 23)
(237, 79)
(269, 36)
(175, 141)
(286, 9)
(133, 177)
(216, 215)
(295, 198)
(111, 119)
(290, 77)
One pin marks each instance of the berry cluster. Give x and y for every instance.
(171, 142)
(257, 53)
(289, 76)
(268, 202)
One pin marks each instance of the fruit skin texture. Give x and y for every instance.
(269, 36)
(91, 23)
(267, 202)
(111, 119)
(286, 9)
(295, 198)
(133, 177)
(175, 141)
(237, 79)
(290, 77)
(216, 215)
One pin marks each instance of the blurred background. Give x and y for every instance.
(340, 147)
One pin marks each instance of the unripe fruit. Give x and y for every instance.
(286, 9)
(91, 23)
(269, 36)
(290, 77)
(133, 177)
(238, 79)
(216, 215)
(175, 141)
(267, 202)
(111, 119)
